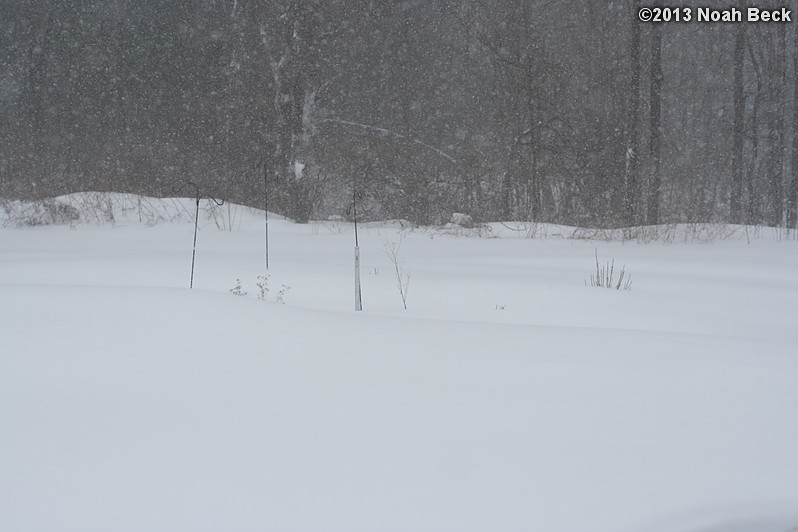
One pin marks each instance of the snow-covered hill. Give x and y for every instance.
(509, 396)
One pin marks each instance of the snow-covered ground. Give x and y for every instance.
(509, 396)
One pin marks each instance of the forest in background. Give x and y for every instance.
(564, 111)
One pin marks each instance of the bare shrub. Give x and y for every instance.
(605, 276)
(237, 290)
(402, 276)
(36, 213)
(263, 286)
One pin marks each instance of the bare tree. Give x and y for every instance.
(515, 41)
(735, 214)
(792, 196)
(294, 42)
(776, 138)
(655, 130)
(632, 118)
(402, 276)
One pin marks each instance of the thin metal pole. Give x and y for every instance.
(194, 251)
(196, 219)
(358, 298)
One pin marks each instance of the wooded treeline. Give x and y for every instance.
(568, 111)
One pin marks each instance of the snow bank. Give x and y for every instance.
(510, 396)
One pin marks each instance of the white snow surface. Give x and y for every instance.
(509, 396)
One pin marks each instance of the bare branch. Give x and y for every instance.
(393, 134)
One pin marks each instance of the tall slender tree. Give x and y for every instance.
(736, 190)
(655, 131)
(631, 185)
(792, 195)
(776, 136)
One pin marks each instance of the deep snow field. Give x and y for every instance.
(509, 396)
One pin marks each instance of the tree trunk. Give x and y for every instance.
(753, 215)
(792, 196)
(533, 202)
(294, 103)
(632, 117)
(38, 62)
(735, 204)
(776, 137)
(652, 214)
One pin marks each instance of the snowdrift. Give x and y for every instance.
(509, 396)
